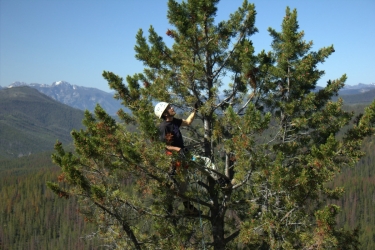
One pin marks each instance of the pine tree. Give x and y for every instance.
(272, 138)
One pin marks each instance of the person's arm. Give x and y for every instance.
(190, 119)
(172, 148)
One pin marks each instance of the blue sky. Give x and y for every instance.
(43, 41)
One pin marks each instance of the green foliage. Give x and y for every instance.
(276, 143)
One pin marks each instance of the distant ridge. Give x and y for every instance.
(360, 98)
(32, 122)
(76, 96)
(357, 89)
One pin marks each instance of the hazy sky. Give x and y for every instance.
(43, 41)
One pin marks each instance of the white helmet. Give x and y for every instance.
(160, 108)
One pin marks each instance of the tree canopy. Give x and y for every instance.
(272, 137)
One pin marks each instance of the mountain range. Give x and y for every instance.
(76, 96)
(357, 89)
(87, 98)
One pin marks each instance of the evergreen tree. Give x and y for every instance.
(272, 138)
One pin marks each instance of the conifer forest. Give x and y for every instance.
(291, 167)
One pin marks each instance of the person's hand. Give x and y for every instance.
(197, 105)
(182, 152)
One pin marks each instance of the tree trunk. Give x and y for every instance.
(217, 222)
(207, 138)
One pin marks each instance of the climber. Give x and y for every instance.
(170, 133)
(170, 126)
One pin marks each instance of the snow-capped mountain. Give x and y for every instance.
(360, 86)
(76, 96)
(356, 89)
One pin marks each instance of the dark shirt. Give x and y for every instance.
(170, 133)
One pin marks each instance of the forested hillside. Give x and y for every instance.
(31, 122)
(32, 217)
(358, 202)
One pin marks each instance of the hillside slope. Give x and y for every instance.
(31, 216)
(31, 122)
(360, 98)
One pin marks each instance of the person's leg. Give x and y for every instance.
(207, 164)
